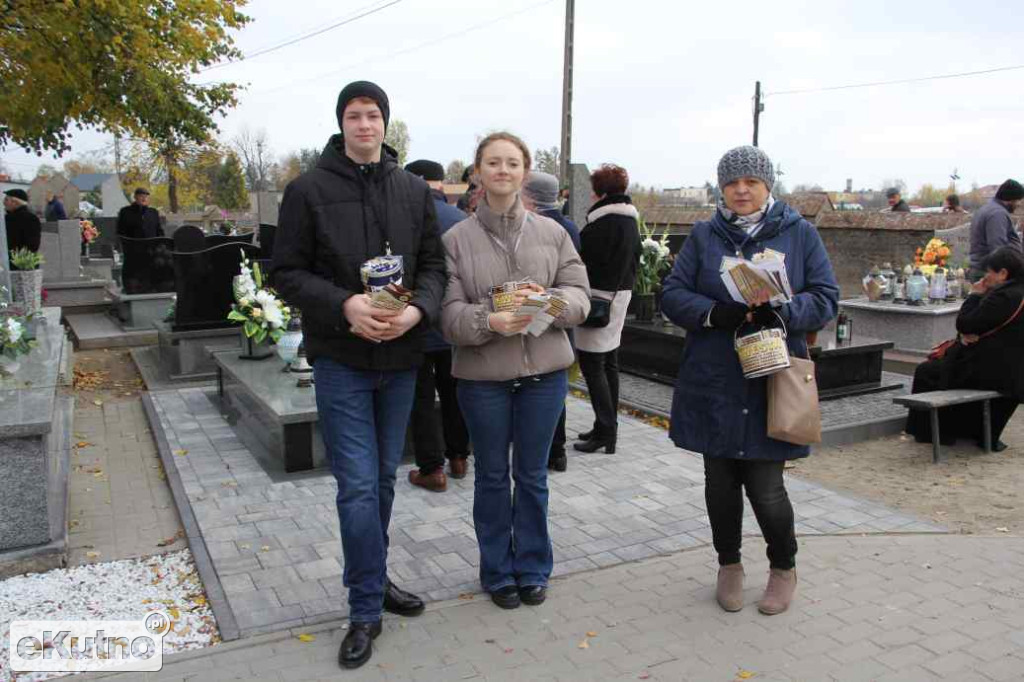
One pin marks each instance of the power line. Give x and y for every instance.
(429, 43)
(901, 81)
(306, 36)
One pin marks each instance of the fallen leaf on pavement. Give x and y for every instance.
(1002, 529)
(98, 403)
(181, 453)
(92, 555)
(591, 633)
(744, 675)
(466, 596)
(644, 676)
(307, 638)
(583, 645)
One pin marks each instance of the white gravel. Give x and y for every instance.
(118, 590)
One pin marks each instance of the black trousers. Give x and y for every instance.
(601, 372)
(959, 421)
(724, 481)
(433, 441)
(558, 442)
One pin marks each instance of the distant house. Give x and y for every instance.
(108, 185)
(696, 195)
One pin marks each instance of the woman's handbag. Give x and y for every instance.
(793, 412)
(939, 351)
(600, 314)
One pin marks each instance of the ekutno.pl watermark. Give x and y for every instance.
(89, 645)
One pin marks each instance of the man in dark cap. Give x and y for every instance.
(23, 227)
(433, 442)
(138, 220)
(896, 203)
(357, 205)
(992, 226)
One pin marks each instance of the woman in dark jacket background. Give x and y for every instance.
(987, 355)
(715, 410)
(611, 251)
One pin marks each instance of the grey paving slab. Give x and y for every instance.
(866, 610)
(282, 531)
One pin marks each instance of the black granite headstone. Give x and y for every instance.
(204, 285)
(103, 246)
(267, 234)
(218, 239)
(148, 267)
(189, 238)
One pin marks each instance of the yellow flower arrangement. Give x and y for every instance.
(934, 254)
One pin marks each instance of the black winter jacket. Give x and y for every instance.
(139, 222)
(995, 362)
(610, 244)
(332, 220)
(23, 229)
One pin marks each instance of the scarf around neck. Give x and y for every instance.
(749, 223)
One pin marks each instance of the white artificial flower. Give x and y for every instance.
(265, 298)
(273, 316)
(14, 330)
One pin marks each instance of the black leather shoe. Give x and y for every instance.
(357, 646)
(997, 446)
(558, 462)
(506, 597)
(401, 602)
(595, 444)
(585, 435)
(532, 595)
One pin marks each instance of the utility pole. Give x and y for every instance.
(565, 154)
(758, 108)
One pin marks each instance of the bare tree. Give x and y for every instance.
(257, 159)
(548, 161)
(453, 174)
(397, 137)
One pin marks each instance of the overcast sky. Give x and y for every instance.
(662, 88)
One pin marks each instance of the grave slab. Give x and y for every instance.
(912, 329)
(35, 442)
(185, 355)
(101, 330)
(138, 312)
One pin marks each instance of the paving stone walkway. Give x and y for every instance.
(878, 608)
(273, 539)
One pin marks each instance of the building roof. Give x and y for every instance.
(810, 204)
(87, 182)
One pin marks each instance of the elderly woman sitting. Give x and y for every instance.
(987, 355)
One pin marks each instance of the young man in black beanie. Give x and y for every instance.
(992, 227)
(356, 205)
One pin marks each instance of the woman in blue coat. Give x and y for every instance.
(715, 410)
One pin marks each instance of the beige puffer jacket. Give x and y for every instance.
(489, 249)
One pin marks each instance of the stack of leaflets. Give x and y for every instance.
(542, 309)
(762, 278)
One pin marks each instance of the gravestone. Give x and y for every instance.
(959, 240)
(49, 249)
(267, 207)
(5, 280)
(203, 281)
(148, 267)
(61, 248)
(188, 239)
(267, 234)
(219, 239)
(580, 192)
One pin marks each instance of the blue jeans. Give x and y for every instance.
(512, 528)
(363, 418)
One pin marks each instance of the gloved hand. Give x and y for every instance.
(764, 315)
(728, 315)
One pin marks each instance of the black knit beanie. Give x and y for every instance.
(1011, 190)
(431, 171)
(363, 89)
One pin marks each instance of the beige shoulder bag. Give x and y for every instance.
(793, 412)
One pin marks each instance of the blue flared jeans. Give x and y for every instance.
(512, 524)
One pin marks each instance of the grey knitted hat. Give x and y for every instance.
(542, 188)
(745, 162)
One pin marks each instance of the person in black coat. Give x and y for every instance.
(55, 209)
(611, 251)
(987, 355)
(23, 227)
(139, 220)
(357, 205)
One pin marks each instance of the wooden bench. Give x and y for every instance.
(935, 400)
